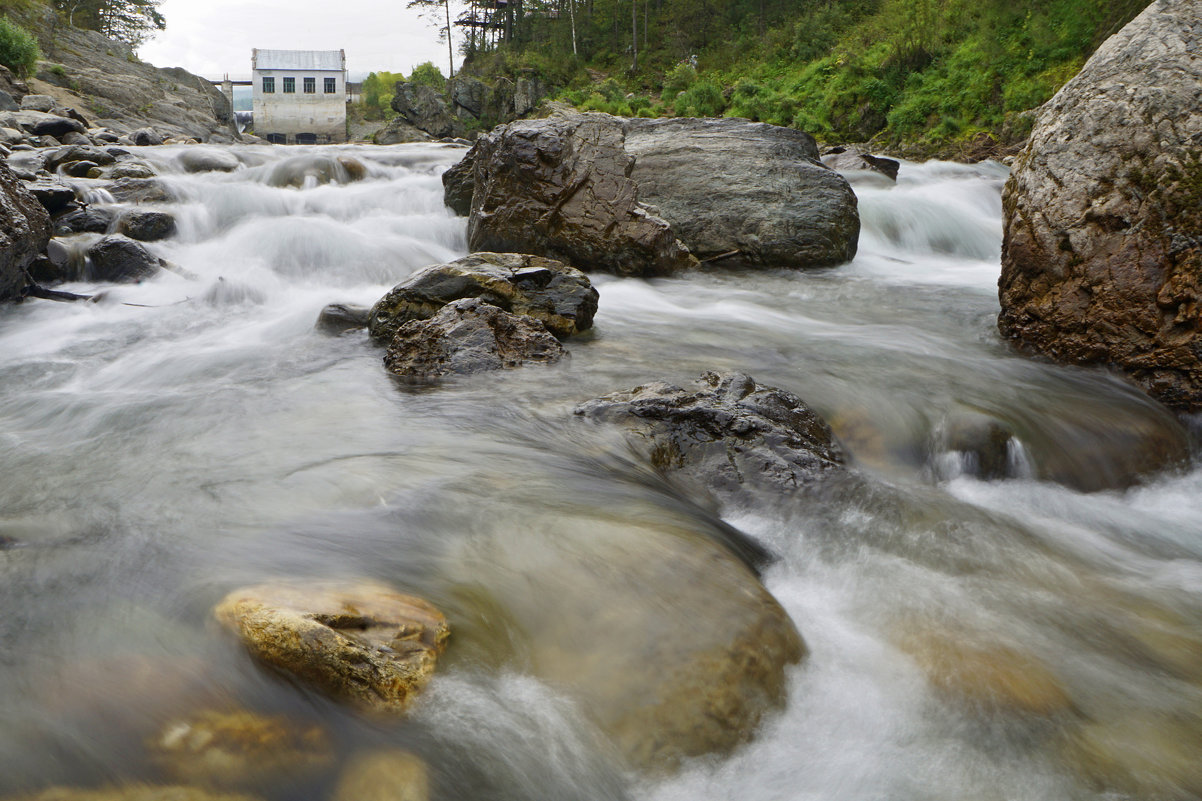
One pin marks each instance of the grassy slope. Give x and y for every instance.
(919, 76)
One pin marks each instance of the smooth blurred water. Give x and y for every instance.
(194, 433)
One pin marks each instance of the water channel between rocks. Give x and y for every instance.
(969, 639)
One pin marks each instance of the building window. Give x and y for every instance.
(290, 86)
(331, 86)
(310, 86)
(268, 85)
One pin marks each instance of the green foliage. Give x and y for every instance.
(702, 99)
(427, 74)
(679, 78)
(18, 49)
(129, 21)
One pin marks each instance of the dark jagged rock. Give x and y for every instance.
(70, 153)
(144, 137)
(560, 188)
(470, 96)
(77, 220)
(146, 226)
(560, 297)
(80, 169)
(424, 109)
(56, 126)
(750, 192)
(24, 232)
(121, 260)
(851, 159)
(1102, 253)
(54, 266)
(52, 193)
(727, 431)
(458, 186)
(338, 318)
(469, 336)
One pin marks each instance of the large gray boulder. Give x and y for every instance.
(749, 189)
(24, 232)
(424, 109)
(1102, 255)
(560, 187)
(469, 336)
(120, 259)
(560, 297)
(733, 435)
(470, 96)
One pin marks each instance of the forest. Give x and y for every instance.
(917, 72)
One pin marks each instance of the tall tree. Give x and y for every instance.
(433, 9)
(129, 21)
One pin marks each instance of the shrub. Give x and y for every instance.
(428, 75)
(702, 99)
(18, 49)
(679, 78)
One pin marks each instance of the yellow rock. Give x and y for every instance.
(992, 676)
(360, 642)
(1142, 755)
(133, 792)
(385, 775)
(239, 748)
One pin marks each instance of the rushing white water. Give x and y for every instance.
(1017, 638)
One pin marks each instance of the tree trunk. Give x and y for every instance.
(634, 34)
(450, 48)
(572, 14)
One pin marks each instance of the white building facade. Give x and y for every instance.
(299, 96)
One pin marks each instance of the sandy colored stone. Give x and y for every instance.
(240, 748)
(991, 676)
(385, 775)
(133, 792)
(360, 642)
(1139, 756)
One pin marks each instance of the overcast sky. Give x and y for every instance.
(213, 37)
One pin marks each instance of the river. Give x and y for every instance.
(194, 433)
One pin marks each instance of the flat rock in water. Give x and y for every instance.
(146, 226)
(1102, 250)
(850, 159)
(384, 775)
(208, 159)
(240, 749)
(52, 193)
(91, 220)
(559, 296)
(361, 642)
(469, 336)
(70, 153)
(726, 430)
(139, 190)
(133, 792)
(337, 318)
(757, 191)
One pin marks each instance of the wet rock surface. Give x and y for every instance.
(384, 775)
(146, 226)
(560, 187)
(727, 431)
(337, 318)
(846, 158)
(24, 232)
(559, 296)
(208, 159)
(240, 749)
(362, 642)
(469, 336)
(133, 792)
(120, 259)
(751, 190)
(1103, 230)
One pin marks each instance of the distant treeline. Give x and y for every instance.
(895, 70)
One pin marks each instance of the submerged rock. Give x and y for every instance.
(133, 792)
(851, 159)
(359, 642)
(208, 159)
(77, 220)
(560, 187)
(316, 169)
(752, 193)
(559, 296)
(240, 749)
(1102, 253)
(469, 336)
(140, 190)
(24, 232)
(728, 431)
(146, 226)
(339, 317)
(120, 259)
(385, 775)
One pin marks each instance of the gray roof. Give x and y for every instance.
(298, 59)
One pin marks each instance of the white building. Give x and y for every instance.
(299, 95)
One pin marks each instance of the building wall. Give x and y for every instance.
(321, 114)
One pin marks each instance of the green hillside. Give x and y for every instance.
(908, 74)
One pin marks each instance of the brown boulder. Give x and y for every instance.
(1102, 255)
(24, 232)
(559, 296)
(469, 336)
(384, 775)
(359, 642)
(560, 187)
